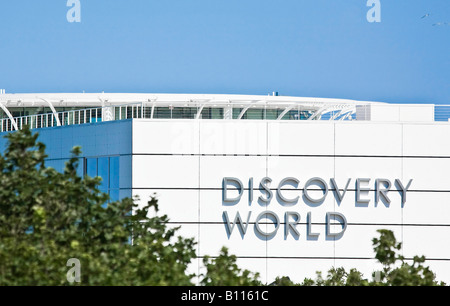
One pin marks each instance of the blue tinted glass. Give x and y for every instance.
(114, 195)
(91, 167)
(80, 169)
(103, 172)
(125, 193)
(60, 164)
(114, 172)
(51, 163)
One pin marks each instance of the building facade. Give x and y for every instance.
(290, 185)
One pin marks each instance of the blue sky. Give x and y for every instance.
(320, 48)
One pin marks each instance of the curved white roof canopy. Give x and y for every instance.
(87, 100)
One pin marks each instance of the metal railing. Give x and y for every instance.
(138, 110)
(73, 117)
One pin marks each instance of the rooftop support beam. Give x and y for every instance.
(228, 111)
(286, 110)
(318, 113)
(347, 114)
(337, 114)
(242, 113)
(13, 122)
(199, 113)
(55, 114)
(153, 110)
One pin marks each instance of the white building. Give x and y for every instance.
(311, 179)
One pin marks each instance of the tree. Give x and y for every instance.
(406, 274)
(223, 271)
(396, 270)
(47, 218)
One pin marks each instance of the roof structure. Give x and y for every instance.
(57, 109)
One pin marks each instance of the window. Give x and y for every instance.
(108, 168)
(60, 164)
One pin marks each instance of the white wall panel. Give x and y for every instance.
(303, 245)
(214, 168)
(426, 139)
(166, 137)
(428, 173)
(427, 208)
(301, 168)
(165, 171)
(233, 137)
(362, 138)
(368, 167)
(300, 138)
(178, 204)
(430, 241)
(357, 240)
(213, 237)
(185, 231)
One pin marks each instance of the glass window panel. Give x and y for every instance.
(114, 171)
(58, 165)
(256, 114)
(103, 172)
(184, 112)
(162, 112)
(237, 112)
(91, 167)
(212, 113)
(17, 111)
(114, 195)
(272, 114)
(147, 112)
(80, 168)
(125, 193)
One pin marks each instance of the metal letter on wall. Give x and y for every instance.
(382, 192)
(359, 189)
(286, 181)
(258, 219)
(263, 187)
(338, 194)
(240, 188)
(336, 215)
(291, 226)
(403, 189)
(310, 182)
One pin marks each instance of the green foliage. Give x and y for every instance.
(385, 249)
(338, 277)
(393, 274)
(47, 217)
(406, 274)
(223, 271)
(283, 281)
